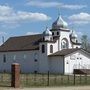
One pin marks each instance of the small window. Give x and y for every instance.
(4, 58)
(35, 72)
(51, 39)
(43, 39)
(4, 71)
(52, 33)
(57, 33)
(64, 43)
(43, 48)
(67, 63)
(51, 48)
(76, 41)
(24, 56)
(35, 60)
(14, 57)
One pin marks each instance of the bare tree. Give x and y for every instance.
(85, 42)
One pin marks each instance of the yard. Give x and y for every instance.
(49, 88)
(46, 80)
(41, 80)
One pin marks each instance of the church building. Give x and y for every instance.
(56, 50)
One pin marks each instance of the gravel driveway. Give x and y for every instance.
(51, 88)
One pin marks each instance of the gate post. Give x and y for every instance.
(15, 75)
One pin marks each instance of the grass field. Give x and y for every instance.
(43, 80)
(53, 80)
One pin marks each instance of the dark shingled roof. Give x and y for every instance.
(23, 43)
(67, 51)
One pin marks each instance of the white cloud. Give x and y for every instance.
(79, 33)
(9, 16)
(43, 4)
(31, 33)
(81, 18)
(2, 33)
(54, 4)
(73, 6)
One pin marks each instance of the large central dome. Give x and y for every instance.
(59, 23)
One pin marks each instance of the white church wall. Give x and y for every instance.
(56, 64)
(64, 34)
(43, 59)
(76, 60)
(24, 58)
(2, 64)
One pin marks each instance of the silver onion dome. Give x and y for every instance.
(59, 23)
(47, 32)
(74, 35)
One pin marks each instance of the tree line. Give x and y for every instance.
(85, 42)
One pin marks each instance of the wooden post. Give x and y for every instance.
(48, 79)
(15, 77)
(74, 78)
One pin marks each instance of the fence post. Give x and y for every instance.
(48, 79)
(74, 78)
(15, 77)
(68, 79)
(80, 78)
(61, 79)
(86, 78)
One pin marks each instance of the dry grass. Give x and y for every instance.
(42, 80)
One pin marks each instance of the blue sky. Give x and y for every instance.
(24, 17)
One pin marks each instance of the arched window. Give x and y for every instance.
(52, 33)
(57, 33)
(43, 48)
(64, 43)
(35, 57)
(51, 48)
(4, 58)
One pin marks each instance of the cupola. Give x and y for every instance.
(74, 37)
(47, 35)
(59, 23)
(73, 34)
(47, 32)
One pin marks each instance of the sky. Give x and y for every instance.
(26, 17)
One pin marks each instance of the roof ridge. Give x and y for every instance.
(25, 36)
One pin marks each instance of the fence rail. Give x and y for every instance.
(5, 79)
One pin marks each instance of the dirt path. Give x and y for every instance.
(52, 88)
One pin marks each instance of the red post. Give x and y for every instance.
(15, 78)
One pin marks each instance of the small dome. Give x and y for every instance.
(73, 34)
(47, 32)
(59, 23)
